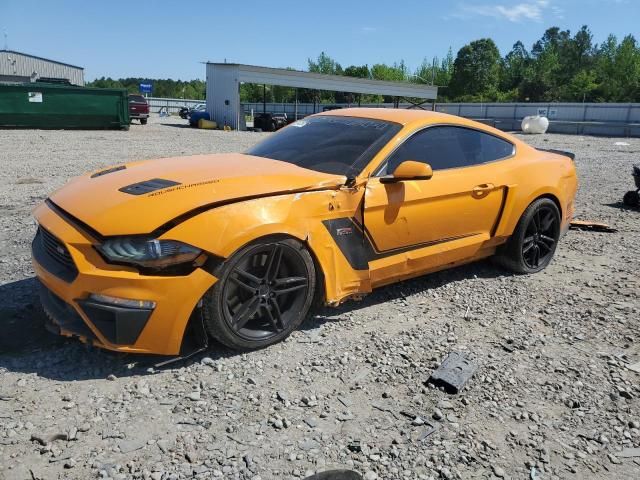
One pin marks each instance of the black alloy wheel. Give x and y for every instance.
(533, 243)
(540, 238)
(264, 293)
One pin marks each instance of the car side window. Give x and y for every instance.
(445, 147)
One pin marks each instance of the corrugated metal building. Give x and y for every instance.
(22, 67)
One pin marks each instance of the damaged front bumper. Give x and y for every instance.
(79, 293)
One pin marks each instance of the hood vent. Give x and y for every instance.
(108, 170)
(148, 186)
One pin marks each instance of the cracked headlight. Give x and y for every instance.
(149, 253)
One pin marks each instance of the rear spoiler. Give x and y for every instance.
(572, 156)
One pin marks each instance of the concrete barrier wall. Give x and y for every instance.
(173, 105)
(611, 119)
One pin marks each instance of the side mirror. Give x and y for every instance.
(409, 170)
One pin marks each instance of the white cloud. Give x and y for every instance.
(513, 12)
(368, 29)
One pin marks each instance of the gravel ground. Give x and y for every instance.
(553, 396)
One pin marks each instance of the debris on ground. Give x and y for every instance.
(47, 439)
(591, 226)
(426, 433)
(453, 373)
(336, 475)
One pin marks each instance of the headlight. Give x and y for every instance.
(148, 252)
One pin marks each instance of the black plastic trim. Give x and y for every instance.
(572, 156)
(119, 325)
(358, 247)
(503, 203)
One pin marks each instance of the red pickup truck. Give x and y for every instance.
(138, 108)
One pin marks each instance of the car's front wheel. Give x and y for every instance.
(264, 292)
(534, 241)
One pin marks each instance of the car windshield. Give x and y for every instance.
(330, 144)
(137, 99)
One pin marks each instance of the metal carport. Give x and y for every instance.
(223, 87)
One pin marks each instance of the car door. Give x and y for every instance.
(454, 212)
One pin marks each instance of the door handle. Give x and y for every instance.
(483, 189)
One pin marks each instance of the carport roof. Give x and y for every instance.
(338, 83)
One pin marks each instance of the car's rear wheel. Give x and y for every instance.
(143, 121)
(264, 292)
(534, 241)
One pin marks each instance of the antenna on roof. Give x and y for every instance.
(6, 42)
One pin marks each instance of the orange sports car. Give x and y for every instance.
(241, 246)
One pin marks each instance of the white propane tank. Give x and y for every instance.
(535, 124)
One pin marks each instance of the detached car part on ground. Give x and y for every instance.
(328, 208)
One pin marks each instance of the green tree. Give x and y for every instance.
(168, 88)
(581, 88)
(327, 65)
(357, 71)
(397, 72)
(361, 71)
(476, 70)
(515, 68)
(618, 70)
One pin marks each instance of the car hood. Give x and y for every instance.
(138, 198)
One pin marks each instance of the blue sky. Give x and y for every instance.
(168, 39)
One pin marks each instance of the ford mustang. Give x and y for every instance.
(329, 208)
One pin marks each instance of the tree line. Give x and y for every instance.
(163, 88)
(558, 67)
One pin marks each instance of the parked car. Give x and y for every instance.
(270, 122)
(241, 246)
(138, 108)
(185, 112)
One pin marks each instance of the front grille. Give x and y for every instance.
(56, 249)
(53, 255)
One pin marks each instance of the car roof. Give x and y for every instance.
(417, 118)
(398, 115)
